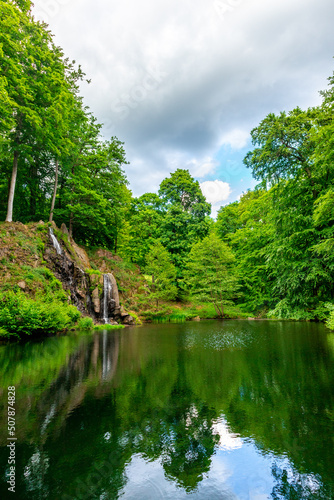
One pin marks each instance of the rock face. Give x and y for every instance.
(96, 301)
(95, 295)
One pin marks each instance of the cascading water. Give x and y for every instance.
(107, 287)
(55, 242)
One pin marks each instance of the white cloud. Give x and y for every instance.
(236, 138)
(227, 439)
(215, 191)
(201, 168)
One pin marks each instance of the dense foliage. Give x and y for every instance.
(20, 315)
(282, 232)
(54, 164)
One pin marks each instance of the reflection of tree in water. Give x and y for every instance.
(182, 438)
(292, 485)
(179, 433)
(161, 419)
(189, 439)
(91, 416)
(189, 446)
(98, 360)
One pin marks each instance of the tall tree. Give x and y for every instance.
(162, 272)
(251, 231)
(144, 218)
(284, 147)
(210, 274)
(186, 219)
(36, 78)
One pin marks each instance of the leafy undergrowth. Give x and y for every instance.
(322, 312)
(88, 324)
(330, 321)
(179, 313)
(21, 315)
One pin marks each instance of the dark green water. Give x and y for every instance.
(212, 410)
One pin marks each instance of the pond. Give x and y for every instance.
(211, 410)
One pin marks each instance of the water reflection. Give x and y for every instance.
(212, 410)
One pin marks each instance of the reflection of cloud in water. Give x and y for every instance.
(228, 440)
(219, 340)
(146, 481)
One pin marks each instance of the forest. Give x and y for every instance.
(270, 253)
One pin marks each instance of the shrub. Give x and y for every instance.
(3, 332)
(330, 319)
(283, 310)
(85, 323)
(21, 315)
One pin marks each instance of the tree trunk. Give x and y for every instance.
(9, 217)
(54, 193)
(70, 229)
(33, 190)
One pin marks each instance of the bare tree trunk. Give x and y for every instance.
(54, 193)
(9, 217)
(70, 229)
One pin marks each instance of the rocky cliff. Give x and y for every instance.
(93, 292)
(26, 248)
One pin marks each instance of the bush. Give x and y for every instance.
(85, 324)
(283, 310)
(330, 319)
(3, 332)
(21, 315)
(42, 283)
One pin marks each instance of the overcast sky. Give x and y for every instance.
(183, 82)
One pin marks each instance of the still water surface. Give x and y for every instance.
(234, 410)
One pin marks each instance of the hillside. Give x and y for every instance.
(36, 272)
(45, 289)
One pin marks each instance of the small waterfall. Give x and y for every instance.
(55, 242)
(107, 288)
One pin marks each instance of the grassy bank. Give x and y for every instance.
(179, 313)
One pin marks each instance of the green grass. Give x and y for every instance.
(108, 327)
(172, 313)
(170, 318)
